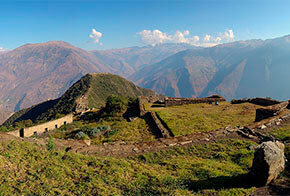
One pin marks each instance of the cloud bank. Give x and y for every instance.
(154, 37)
(96, 36)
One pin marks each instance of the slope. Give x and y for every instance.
(91, 91)
(126, 61)
(34, 73)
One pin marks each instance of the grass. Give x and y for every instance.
(187, 119)
(217, 168)
(135, 131)
(282, 132)
(110, 84)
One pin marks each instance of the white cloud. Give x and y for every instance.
(228, 35)
(95, 35)
(206, 38)
(195, 38)
(153, 37)
(156, 36)
(186, 32)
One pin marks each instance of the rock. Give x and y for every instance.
(269, 161)
(262, 127)
(86, 142)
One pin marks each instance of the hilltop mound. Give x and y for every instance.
(91, 91)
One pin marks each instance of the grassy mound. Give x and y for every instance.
(217, 168)
(96, 87)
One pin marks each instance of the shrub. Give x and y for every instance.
(116, 104)
(3, 129)
(93, 132)
(50, 144)
(81, 136)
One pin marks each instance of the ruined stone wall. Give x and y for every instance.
(159, 126)
(170, 101)
(256, 101)
(44, 127)
(141, 102)
(270, 111)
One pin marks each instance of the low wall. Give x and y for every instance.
(42, 128)
(270, 111)
(159, 126)
(257, 101)
(171, 101)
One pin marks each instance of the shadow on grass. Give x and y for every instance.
(221, 182)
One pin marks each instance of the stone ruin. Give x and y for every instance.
(172, 101)
(257, 101)
(270, 111)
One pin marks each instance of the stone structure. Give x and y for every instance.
(264, 113)
(171, 101)
(42, 128)
(269, 161)
(162, 130)
(257, 101)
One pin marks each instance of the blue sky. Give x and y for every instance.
(135, 23)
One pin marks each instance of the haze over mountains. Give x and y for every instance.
(34, 73)
(234, 70)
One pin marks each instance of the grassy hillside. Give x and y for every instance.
(187, 119)
(95, 87)
(216, 168)
(103, 85)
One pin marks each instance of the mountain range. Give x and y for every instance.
(34, 73)
(234, 70)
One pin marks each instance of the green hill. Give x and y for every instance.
(91, 91)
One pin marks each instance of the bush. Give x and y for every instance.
(50, 144)
(93, 132)
(3, 129)
(116, 104)
(81, 136)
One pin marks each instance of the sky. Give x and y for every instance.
(110, 24)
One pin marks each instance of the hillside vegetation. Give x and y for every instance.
(216, 168)
(91, 91)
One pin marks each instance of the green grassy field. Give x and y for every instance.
(216, 168)
(122, 130)
(187, 119)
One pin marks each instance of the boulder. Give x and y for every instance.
(269, 161)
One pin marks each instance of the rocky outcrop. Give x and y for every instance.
(269, 161)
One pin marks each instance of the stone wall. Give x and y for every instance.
(42, 128)
(270, 111)
(257, 101)
(171, 101)
(164, 132)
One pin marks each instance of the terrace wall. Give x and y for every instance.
(257, 101)
(42, 128)
(270, 111)
(171, 101)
